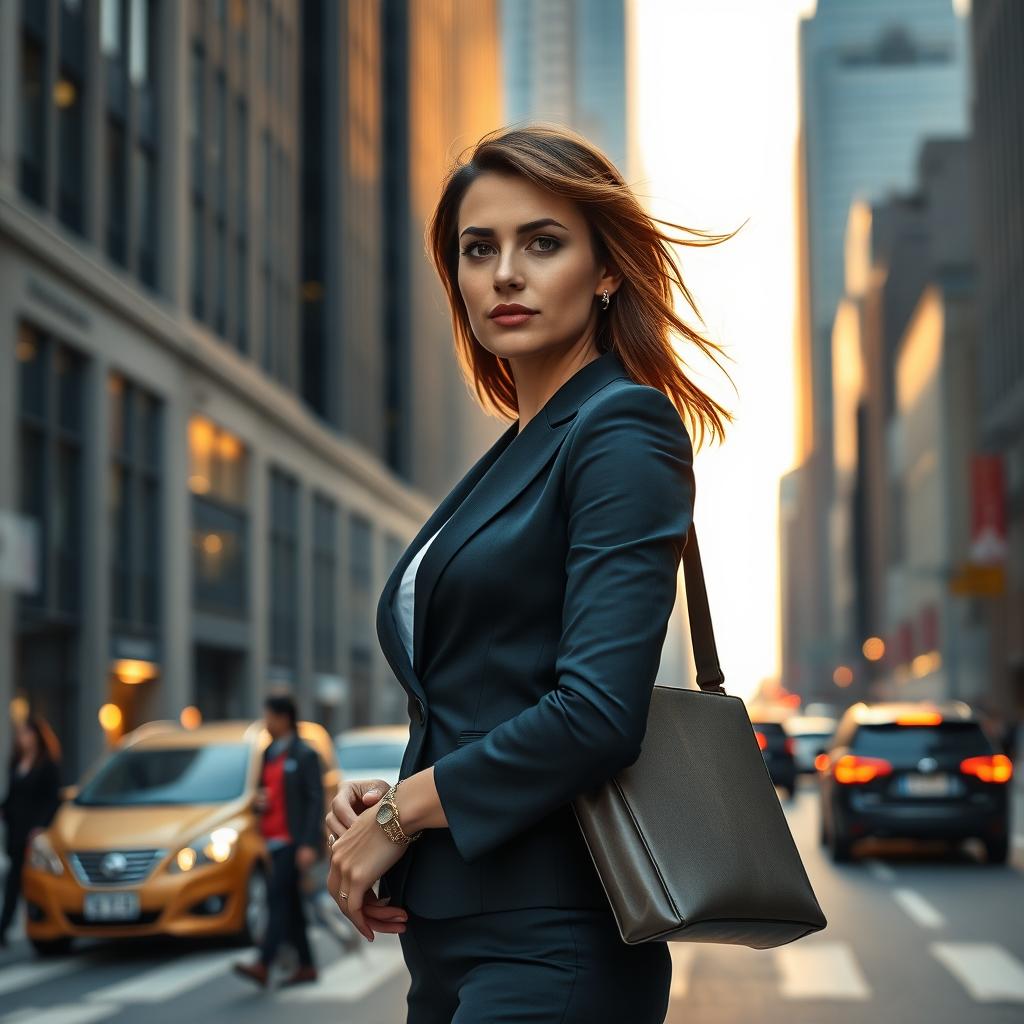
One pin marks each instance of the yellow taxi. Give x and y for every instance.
(161, 838)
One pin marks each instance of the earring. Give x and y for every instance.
(605, 299)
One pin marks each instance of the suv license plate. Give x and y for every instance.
(111, 906)
(926, 785)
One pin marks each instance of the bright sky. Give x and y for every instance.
(715, 109)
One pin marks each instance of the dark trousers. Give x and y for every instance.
(287, 917)
(12, 884)
(544, 965)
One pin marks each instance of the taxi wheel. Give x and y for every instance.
(256, 908)
(52, 947)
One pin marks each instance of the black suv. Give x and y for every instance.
(777, 750)
(914, 770)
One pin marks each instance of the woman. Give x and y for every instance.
(31, 802)
(527, 617)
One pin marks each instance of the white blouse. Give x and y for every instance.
(404, 600)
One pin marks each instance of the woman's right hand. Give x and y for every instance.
(351, 799)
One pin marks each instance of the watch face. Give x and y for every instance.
(385, 814)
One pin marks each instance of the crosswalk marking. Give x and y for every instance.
(163, 983)
(820, 970)
(989, 972)
(64, 1013)
(354, 976)
(918, 908)
(683, 954)
(26, 975)
(880, 869)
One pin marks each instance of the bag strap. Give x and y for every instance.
(710, 676)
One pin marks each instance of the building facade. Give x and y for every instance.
(219, 491)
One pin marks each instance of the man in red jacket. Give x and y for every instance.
(291, 806)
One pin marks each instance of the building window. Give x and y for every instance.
(360, 622)
(51, 390)
(117, 192)
(135, 428)
(69, 99)
(32, 121)
(219, 482)
(284, 590)
(146, 229)
(325, 583)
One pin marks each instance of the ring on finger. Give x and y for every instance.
(343, 895)
(331, 838)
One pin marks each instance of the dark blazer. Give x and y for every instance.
(540, 614)
(303, 794)
(31, 801)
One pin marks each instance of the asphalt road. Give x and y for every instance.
(917, 933)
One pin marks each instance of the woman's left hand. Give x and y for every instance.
(359, 857)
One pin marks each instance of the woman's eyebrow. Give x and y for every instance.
(521, 230)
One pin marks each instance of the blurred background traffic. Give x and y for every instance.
(229, 399)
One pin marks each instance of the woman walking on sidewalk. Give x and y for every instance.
(33, 795)
(526, 618)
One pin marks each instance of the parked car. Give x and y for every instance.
(776, 748)
(161, 838)
(811, 735)
(372, 751)
(924, 770)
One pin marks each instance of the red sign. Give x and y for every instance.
(988, 510)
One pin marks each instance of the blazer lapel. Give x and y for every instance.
(499, 476)
(387, 631)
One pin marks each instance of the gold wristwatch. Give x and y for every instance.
(387, 818)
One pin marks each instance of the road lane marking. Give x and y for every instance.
(989, 972)
(880, 869)
(683, 955)
(63, 1013)
(918, 908)
(26, 975)
(166, 982)
(354, 976)
(820, 970)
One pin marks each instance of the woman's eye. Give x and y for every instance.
(468, 251)
(556, 244)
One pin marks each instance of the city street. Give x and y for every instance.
(915, 934)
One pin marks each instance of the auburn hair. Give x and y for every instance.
(640, 323)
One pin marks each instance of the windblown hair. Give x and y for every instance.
(641, 320)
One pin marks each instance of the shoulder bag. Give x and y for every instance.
(690, 841)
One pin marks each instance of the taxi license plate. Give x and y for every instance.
(926, 785)
(111, 906)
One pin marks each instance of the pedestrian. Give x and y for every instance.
(290, 804)
(33, 796)
(526, 619)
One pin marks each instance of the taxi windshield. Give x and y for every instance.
(157, 777)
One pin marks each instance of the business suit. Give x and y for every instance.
(540, 613)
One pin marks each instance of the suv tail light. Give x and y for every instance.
(789, 745)
(762, 741)
(855, 768)
(988, 767)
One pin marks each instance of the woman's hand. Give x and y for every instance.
(351, 800)
(359, 856)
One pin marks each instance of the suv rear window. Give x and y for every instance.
(912, 742)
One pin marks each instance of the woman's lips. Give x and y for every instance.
(512, 319)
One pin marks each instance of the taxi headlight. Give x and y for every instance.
(214, 848)
(42, 857)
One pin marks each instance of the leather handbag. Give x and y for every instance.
(690, 841)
